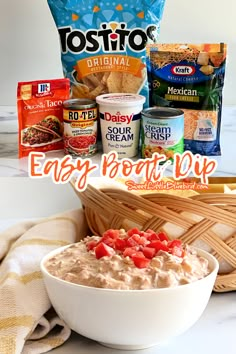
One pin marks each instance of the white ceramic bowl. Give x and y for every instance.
(130, 319)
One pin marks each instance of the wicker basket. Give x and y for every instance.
(200, 217)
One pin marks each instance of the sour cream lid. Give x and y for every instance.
(118, 99)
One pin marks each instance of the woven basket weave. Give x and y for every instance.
(115, 208)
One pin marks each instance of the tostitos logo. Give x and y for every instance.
(110, 37)
(183, 70)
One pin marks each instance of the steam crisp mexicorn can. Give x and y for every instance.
(162, 131)
(80, 127)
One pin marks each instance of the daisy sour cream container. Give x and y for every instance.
(120, 116)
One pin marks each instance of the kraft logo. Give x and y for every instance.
(183, 70)
(45, 87)
(118, 118)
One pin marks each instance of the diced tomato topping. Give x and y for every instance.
(143, 241)
(108, 241)
(149, 252)
(129, 251)
(175, 243)
(177, 251)
(153, 237)
(120, 244)
(133, 241)
(140, 261)
(111, 233)
(162, 236)
(136, 238)
(158, 245)
(149, 231)
(133, 231)
(145, 234)
(138, 254)
(102, 250)
(91, 244)
(141, 246)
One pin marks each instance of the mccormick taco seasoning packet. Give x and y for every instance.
(40, 115)
(191, 77)
(103, 43)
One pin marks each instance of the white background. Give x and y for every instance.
(29, 45)
(47, 198)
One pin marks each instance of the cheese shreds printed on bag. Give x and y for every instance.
(103, 43)
(191, 77)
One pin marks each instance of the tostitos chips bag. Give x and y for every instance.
(103, 43)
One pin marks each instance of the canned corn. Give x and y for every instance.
(162, 131)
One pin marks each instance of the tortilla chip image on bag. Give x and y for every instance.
(191, 77)
(103, 44)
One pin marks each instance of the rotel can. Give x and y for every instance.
(80, 127)
(162, 131)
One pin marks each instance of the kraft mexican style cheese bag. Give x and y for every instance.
(191, 77)
(103, 44)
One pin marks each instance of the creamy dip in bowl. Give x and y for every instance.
(129, 263)
(116, 290)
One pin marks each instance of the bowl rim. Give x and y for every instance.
(203, 253)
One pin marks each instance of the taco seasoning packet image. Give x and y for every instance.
(40, 114)
(103, 43)
(191, 77)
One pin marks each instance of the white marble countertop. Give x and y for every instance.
(213, 333)
(10, 165)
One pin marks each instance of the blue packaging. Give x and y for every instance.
(190, 77)
(103, 44)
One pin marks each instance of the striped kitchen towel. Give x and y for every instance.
(28, 324)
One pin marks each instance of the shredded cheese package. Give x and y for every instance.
(191, 77)
(103, 43)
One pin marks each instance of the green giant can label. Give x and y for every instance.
(162, 131)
